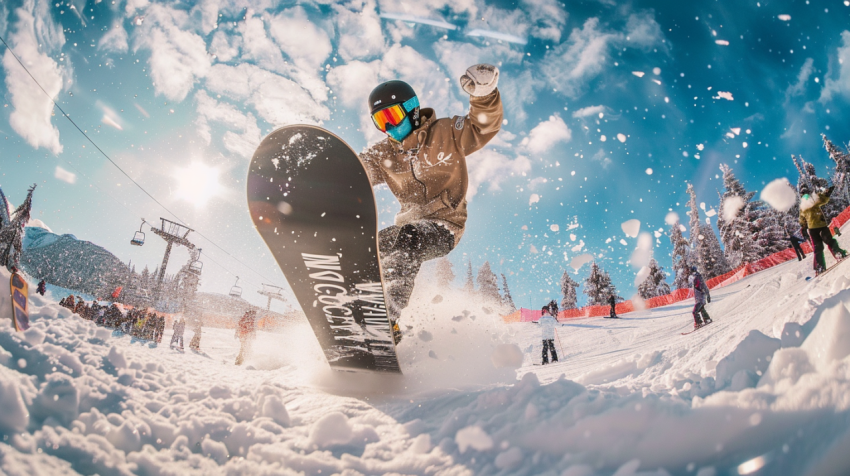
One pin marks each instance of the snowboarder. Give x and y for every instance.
(612, 300)
(814, 226)
(547, 334)
(177, 337)
(701, 297)
(42, 287)
(423, 161)
(795, 243)
(245, 332)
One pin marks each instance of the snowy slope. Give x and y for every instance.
(764, 390)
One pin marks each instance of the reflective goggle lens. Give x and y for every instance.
(392, 115)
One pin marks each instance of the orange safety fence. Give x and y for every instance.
(528, 315)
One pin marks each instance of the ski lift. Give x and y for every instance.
(139, 236)
(196, 266)
(235, 290)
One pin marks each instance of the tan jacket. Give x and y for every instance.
(427, 170)
(811, 215)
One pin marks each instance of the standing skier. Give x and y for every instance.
(245, 332)
(612, 300)
(701, 296)
(177, 336)
(813, 224)
(423, 162)
(547, 334)
(795, 243)
(42, 287)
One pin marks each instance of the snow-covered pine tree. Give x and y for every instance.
(11, 236)
(808, 176)
(469, 285)
(738, 233)
(771, 231)
(445, 273)
(488, 286)
(841, 176)
(655, 283)
(507, 300)
(598, 287)
(705, 248)
(568, 290)
(680, 257)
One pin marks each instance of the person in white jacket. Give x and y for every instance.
(547, 333)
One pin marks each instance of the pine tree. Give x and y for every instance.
(488, 286)
(507, 300)
(11, 236)
(445, 274)
(841, 177)
(771, 236)
(469, 285)
(706, 253)
(738, 234)
(568, 290)
(681, 255)
(655, 283)
(598, 287)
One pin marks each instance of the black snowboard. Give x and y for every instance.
(312, 203)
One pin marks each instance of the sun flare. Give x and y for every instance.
(198, 183)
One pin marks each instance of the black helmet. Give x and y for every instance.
(393, 92)
(693, 269)
(804, 189)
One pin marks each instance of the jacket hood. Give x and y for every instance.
(807, 203)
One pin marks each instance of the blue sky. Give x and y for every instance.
(173, 91)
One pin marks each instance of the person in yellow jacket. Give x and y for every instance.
(815, 227)
(423, 162)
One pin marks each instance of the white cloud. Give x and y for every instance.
(225, 47)
(548, 18)
(178, 56)
(458, 56)
(207, 12)
(583, 56)
(242, 136)
(838, 83)
(276, 99)
(359, 27)
(303, 41)
(65, 175)
(602, 158)
(428, 8)
(115, 40)
(491, 167)
(34, 33)
(546, 134)
(590, 111)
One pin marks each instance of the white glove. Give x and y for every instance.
(480, 80)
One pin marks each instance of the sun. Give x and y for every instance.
(198, 183)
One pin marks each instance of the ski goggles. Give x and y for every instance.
(393, 115)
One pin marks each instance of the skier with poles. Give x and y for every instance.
(814, 225)
(423, 161)
(701, 297)
(795, 243)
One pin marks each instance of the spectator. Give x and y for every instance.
(245, 332)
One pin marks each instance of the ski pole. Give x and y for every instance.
(558, 338)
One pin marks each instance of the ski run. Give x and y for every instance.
(763, 390)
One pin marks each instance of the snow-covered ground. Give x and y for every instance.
(763, 390)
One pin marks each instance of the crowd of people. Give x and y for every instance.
(135, 322)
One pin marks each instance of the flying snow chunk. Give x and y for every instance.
(639, 74)
(631, 227)
(711, 213)
(643, 251)
(736, 130)
(507, 356)
(623, 242)
(649, 171)
(621, 137)
(534, 198)
(656, 71)
(779, 194)
(578, 247)
(65, 175)
(700, 146)
(641, 275)
(725, 95)
(722, 42)
(580, 260)
(554, 227)
(784, 17)
(671, 218)
(731, 206)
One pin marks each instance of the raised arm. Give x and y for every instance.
(476, 129)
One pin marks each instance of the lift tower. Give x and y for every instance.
(172, 233)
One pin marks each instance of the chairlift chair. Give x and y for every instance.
(235, 290)
(139, 236)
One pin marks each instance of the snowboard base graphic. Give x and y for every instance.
(311, 201)
(20, 303)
